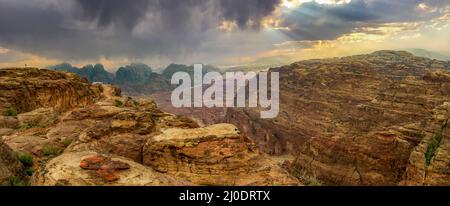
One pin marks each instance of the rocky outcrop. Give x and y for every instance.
(109, 140)
(24, 90)
(72, 169)
(134, 132)
(353, 120)
(33, 101)
(222, 157)
(10, 167)
(120, 130)
(214, 155)
(429, 163)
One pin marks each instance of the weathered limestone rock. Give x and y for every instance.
(353, 120)
(28, 89)
(214, 155)
(429, 163)
(66, 170)
(122, 131)
(41, 117)
(81, 136)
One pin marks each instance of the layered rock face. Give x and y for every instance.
(120, 130)
(114, 140)
(429, 163)
(176, 146)
(360, 120)
(28, 89)
(214, 155)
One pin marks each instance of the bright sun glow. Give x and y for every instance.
(294, 3)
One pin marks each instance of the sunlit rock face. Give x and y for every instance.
(28, 89)
(214, 155)
(69, 169)
(359, 120)
(111, 139)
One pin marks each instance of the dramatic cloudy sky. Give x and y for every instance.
(220, 32)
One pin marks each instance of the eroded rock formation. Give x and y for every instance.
(214, 155)
(66, 170)
(24, 90)
(359, 120)
(106, 141)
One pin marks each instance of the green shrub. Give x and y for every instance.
(51, 151)
(306, 178)
(25, 159)
(66, 142)
(313, 182)
(100, 87)
(119, 103)
(432, 147)
(29, 171)
(28, 126)
(17, 181)
(434, 144)
(11, 112)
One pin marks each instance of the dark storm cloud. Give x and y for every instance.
(106, 12)
(244, 11)
(30, 27)
(80, 29)
(88, 29)
(313, 21)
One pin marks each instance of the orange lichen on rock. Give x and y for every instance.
(104, 167)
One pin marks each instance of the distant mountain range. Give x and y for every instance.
(430, 54)
(134, 78)
(94, 73)
(141, 79)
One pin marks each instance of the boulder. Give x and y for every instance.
(79, 169)
(214, 155)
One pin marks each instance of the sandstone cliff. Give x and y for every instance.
(359, 120)
(113, 140)
(24, 90)
(214, 155)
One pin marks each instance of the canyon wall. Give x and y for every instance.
(24, 90)
(359, 120)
